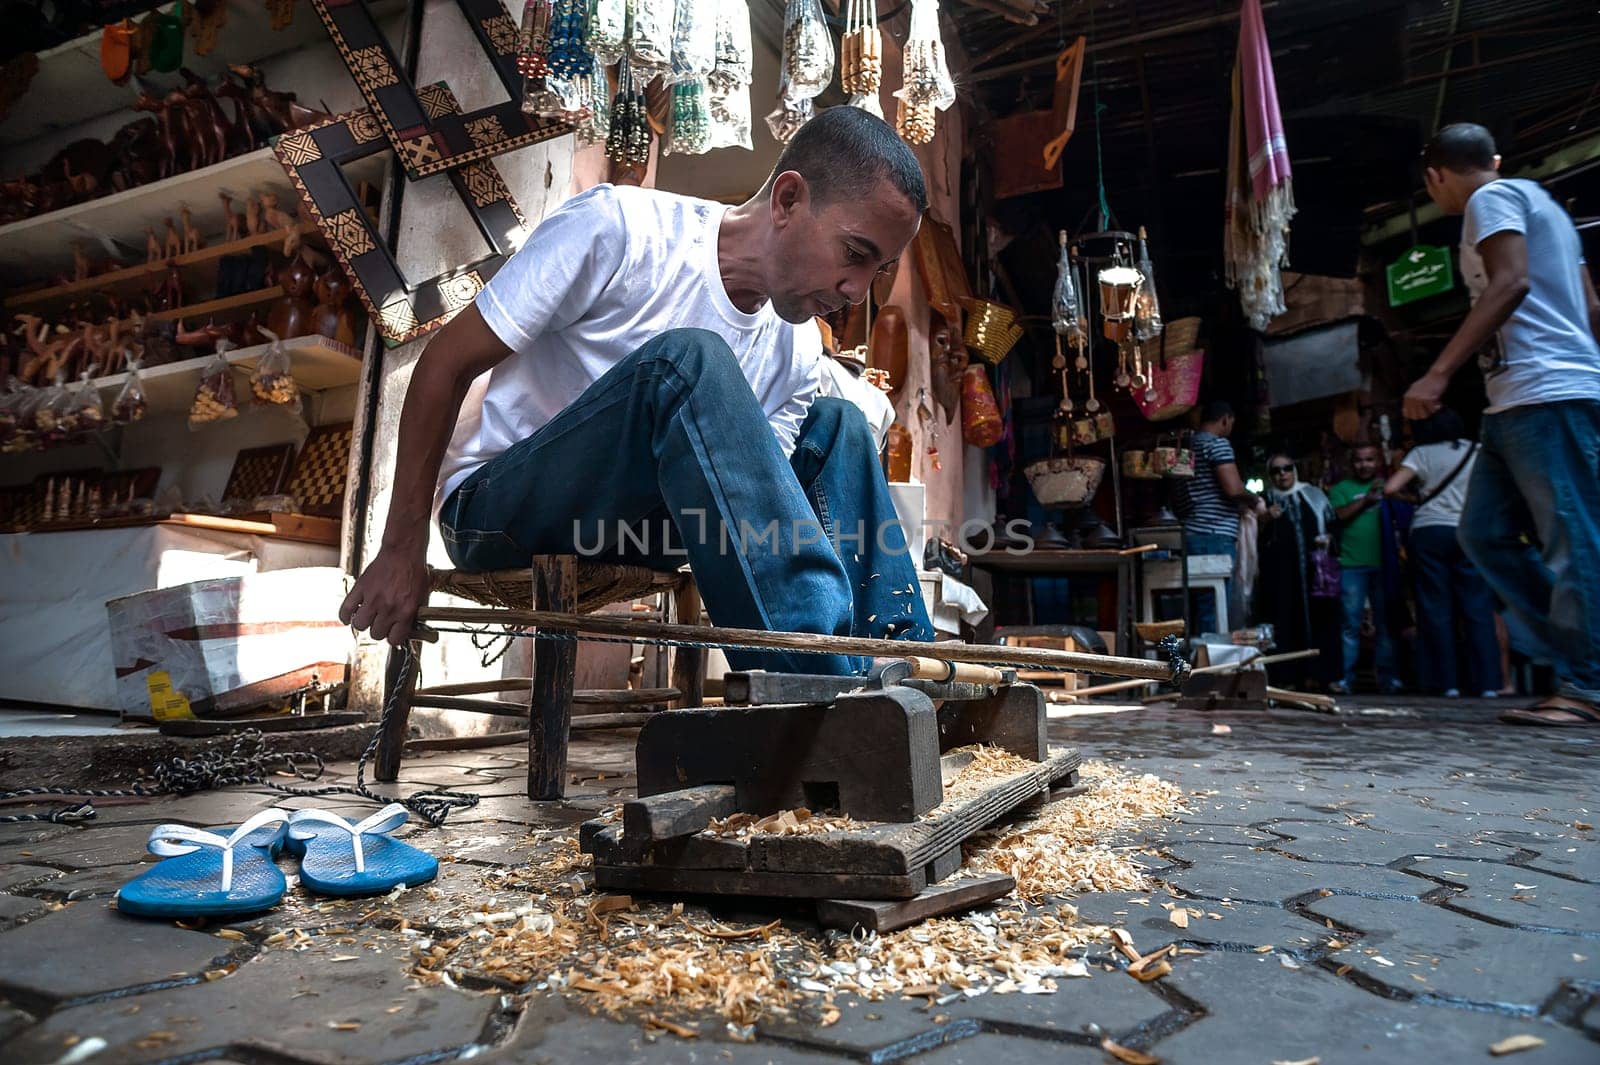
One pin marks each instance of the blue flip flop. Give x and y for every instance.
(207, 874)
(340, 858)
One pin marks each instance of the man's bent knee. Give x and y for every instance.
(695, 352)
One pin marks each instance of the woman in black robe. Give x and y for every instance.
(1299, 520)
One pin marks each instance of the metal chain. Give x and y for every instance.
(248, 762)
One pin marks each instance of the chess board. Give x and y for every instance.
(319, 476)
(258, 471)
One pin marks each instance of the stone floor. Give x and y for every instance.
(1403, 882)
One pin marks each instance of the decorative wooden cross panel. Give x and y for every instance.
(427, 137)
(314, 159)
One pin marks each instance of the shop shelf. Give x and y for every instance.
(316, 362)
(42, 245)
(70, 86)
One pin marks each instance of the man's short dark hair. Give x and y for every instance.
(1463, 147)
(843, 153)
(1215, 411)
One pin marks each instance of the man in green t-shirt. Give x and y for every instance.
(1356, 501)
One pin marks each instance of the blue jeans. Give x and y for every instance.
(1205, 619)
(1539, 472)
(669, 458)
(1449, 587)
(1357, 584)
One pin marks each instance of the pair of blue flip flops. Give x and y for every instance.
(208, 874)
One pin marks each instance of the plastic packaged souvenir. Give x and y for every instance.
(569, 30)
(787, 118)
(49, 416)
(628, 138)
(807, 66)
(650, 36)
(608, 29)
(10, 400)
(23, 405)
(593, 127)
(1147, 323)
(690, 129)
(130, 404)
(861, 56)
(730, 116)
(214, 398)
(734, 56)
(926, 85)
(84, 413)
(694, 40)
(1066, 309)
(272, 381)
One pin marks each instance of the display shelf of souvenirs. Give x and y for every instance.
(171, 221)
(73, 82)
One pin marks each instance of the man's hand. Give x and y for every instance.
(387, 595)
(1425, 396)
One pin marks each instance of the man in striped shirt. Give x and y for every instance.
(1208, 504)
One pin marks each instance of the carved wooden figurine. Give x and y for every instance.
(288, 224)
(234, 222)
(167, 160)
(192, 240)
(80, 262)
(173, 244)
(331, 317)
(280, 108)
(291, 315)
(211, 127)
(152, 245)
(252, 216)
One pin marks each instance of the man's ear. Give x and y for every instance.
(1497, 163)
(790, 194)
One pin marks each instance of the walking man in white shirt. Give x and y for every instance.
(1535, 305)
(639, 383)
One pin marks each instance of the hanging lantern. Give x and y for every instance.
(981, 424)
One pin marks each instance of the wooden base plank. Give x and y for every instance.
(676, 813)
(880, 915)
(745, 882)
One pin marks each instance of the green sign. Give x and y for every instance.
(1421, 272)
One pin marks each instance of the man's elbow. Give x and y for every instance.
(1516, 289)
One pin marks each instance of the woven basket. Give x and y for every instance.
(992, 329)
(1180, 336)
(1173, 389)
(599, 584)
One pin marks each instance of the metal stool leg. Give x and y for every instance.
(555, 588)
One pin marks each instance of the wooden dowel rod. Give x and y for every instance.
(953, 672)
(618, 625)
(1226, 667)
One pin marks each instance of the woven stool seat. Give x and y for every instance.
(599, 584)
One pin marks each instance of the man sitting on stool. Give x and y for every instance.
(638, 384)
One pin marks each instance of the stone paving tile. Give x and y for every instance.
(68, 959)
(14, 908)
(88, 883)
(23, 875)
(987, 1048)
(283, 1002)
(92, 848)
(1243, 926)
(1264, 876)
(1321, 841)
(1255, 1011)
(1113, 1002)
(1519, 896)
(12, 1021)
(1433, 951)
(203, 809)
(867, 1026)
(26, 833)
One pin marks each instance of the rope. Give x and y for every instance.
(248, 762)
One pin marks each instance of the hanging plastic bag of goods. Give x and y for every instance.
(926, 86)
(1066, 309)
(728, 87)
(806, 68)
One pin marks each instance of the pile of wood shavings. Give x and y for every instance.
(1061, 847)
(622, 956)
(799, 822)
(988, 767)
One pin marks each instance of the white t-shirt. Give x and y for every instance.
(1548, 351)
(1432, 463)
(608, 270)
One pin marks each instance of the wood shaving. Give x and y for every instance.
(798, 822)
(1516, 1043)
(675, 964)
(1127, 1055)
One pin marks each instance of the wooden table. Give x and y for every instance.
(1058, 562)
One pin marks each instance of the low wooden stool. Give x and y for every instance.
(561, 584)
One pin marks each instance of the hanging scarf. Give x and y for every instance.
(1260, 193)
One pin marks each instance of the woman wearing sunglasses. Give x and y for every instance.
(1298, 587)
